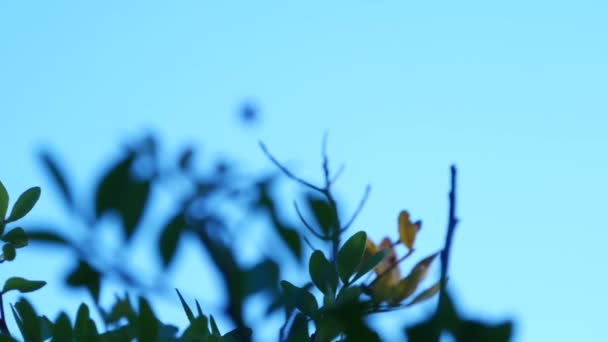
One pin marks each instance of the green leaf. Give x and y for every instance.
(58, 177)
(84, 327)
(62, 329)
(323, 212)
(31, 324)
(214, 329)
(349, 295)
(8, 252)
(371, 262)
(264, 276)
(198, 328)
(47, 236)
(299, 298)
(187, 309)
(86, 276)
(24, 204)
(323, 274)
(169, 239)
(120, 192)
(350, 255)
(299, 330)
(292, 240)
(3, 201)
(241, 334)
(17, 237)
(408, 285)
(426, 294)
(148, 324)
(22, 285)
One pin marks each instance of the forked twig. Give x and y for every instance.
(306, 224)
(286, 170)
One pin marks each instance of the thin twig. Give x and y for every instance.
(3, 327)
(326, 173)
(338, 173)
(286, 170)
(452, 222)
(359, 208)
(306, 224)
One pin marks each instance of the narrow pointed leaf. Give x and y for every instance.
(426, 294)
(215, 331)
(22, 285)
(58, 177)
(187, 309)
(24, 204)
(407, 286)
(350, 255)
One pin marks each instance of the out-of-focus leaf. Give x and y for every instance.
(148, 324)
(86, 276)
(187, 309)
(185, 158)
(17, 237)
(350, 255)
(327, 330)
(263, 276)
(58, 177)
(121, 192)
(323, 274)
(479, 331)
(299, 298)
(198, 328)
(22, 285)
(169, 238)
(31, 325)
(292, 240)
(8, 251)
(62, 329)
(349, 295)
(241, 334)
(371, 262)
(24, 204)
(122, 308)
(323, 213)
(299, 330)
(84, 327)
(215, 331)
(3, 201)
(47, 236)
(409, 284)
(408, 229)
(426, 294)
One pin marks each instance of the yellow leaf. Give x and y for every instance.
(407, 229)
(407, 286)
(426, 294)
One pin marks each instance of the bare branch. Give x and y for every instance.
(286, 171)
(359, 208)
(452, 222)
(314, 232)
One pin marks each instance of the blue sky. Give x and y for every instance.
(512, 92)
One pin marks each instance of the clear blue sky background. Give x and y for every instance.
(514, 92)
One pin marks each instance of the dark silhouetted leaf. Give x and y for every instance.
(299, 330)
(17, 237)
(198, 328)
(323, 274)
(62, 329)
(31, 325)
(241, 334)
(299, 298)
(22, 285)
(8, 252)
(169, 239)
(350, 255)
(24, 204)
(119, 191)
(323, 213)
(60, 180)
(3, 202)
(263, 276)
(86, 276)
(84, 327)
(47, 236)
(187, 309)
(148, 325)
(292, 240)
(215, 331)
(185, 158)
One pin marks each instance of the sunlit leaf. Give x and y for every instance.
(407, 229)
(350, 255)
(407, 286)
(24, 204)
(22, 285)
(322, 273)
(426, 294)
